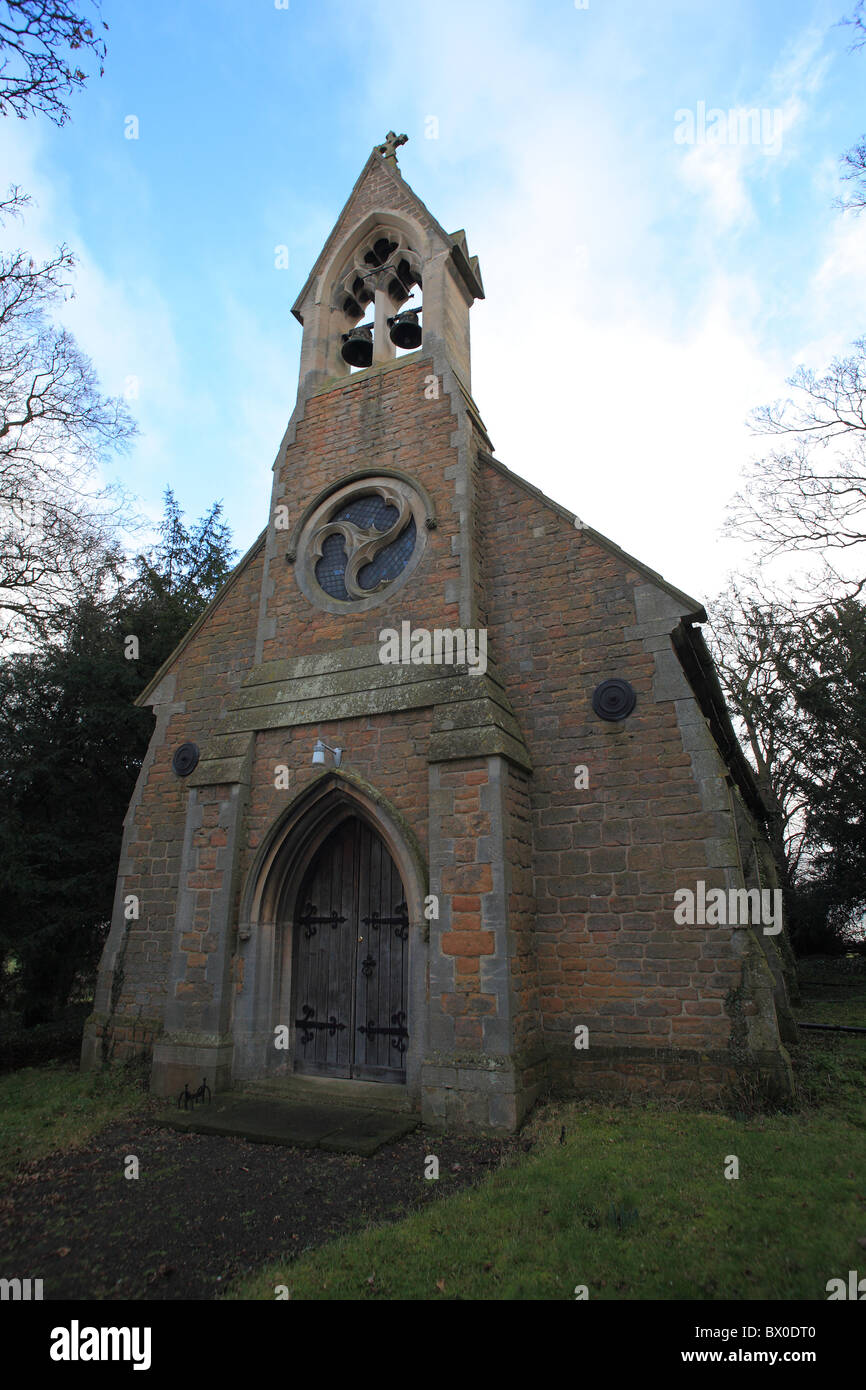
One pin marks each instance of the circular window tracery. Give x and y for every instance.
(344, 570)
(360, 543)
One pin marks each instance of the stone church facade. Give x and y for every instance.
(521, 753)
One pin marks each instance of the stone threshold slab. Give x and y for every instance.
(261, 1120)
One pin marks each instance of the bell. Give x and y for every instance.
(357, 347)
(405, 329)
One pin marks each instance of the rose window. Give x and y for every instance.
(361, 542)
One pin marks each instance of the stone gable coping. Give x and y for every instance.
(691, 607)
(144, 698)
(368, 677)
(474, 717)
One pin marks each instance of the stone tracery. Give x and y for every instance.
(360, 541)
(382, 262)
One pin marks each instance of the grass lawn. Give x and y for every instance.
(834, 991)
(635, 1204)
(45, 1109)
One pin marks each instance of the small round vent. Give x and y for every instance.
(185, 759)
(613, 699)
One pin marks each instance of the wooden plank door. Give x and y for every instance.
(381, 1032)
(351, 960)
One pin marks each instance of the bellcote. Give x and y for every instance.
(388, 281)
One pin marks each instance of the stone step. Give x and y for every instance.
(327, 1090)
(265, 1119)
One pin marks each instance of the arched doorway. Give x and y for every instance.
(340, 847)
(350, 957)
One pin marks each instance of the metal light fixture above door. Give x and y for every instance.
(319, 750)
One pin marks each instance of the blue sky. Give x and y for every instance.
(642, 294)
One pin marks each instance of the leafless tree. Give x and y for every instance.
(751, 632)
(41, 45)
(57, 525)
(809, 495)
(854, 171)
(854, 162)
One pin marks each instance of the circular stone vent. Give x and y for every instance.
(613, 699)
(185, 759)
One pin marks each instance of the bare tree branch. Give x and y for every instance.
(854, 171)
(37, 41)
(857, 21)
(810, 495)
(854, 162)
(57, 525)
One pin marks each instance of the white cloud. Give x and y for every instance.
(601, 385)
(843, 268)
(718, 173)
(614, 382)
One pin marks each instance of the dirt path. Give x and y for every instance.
(205, 1209)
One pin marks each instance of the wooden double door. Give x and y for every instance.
(350, 958)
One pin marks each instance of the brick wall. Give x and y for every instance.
(607, 860)
(386, 418)
(466, 879)
(383, 420)
(522, 916)
(558, 900)
(389, 751)
(206, 672)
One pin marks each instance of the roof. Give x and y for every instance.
(700, 671)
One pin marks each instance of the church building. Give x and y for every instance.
(443, 806)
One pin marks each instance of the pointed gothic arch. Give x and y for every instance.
(267, 949)
(372, 281)
(354, 243)
(383, 258)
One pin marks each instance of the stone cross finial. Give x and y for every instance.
(388, 150)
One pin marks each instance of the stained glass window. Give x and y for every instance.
(365, 512)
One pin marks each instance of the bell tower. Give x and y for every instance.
(384, 375)
(362, 303)
(378, 478)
